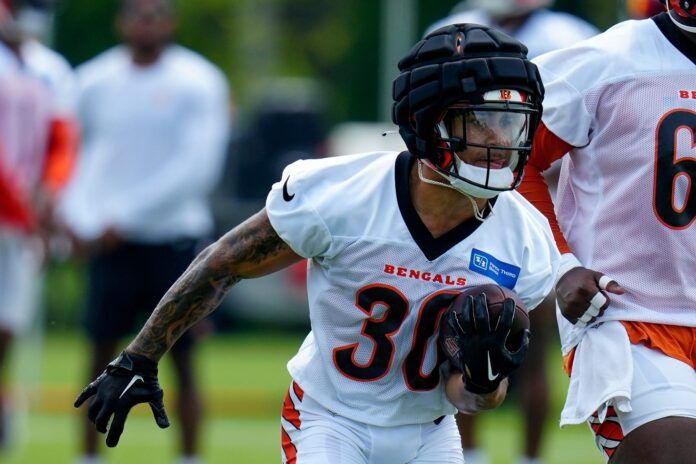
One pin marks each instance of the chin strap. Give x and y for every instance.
(478, 212)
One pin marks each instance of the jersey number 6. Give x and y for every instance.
(381, 330)
(668, 170)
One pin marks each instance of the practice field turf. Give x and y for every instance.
(245, 381)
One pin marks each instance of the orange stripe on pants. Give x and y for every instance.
(298, 391)
(288, 447)
(290, 413)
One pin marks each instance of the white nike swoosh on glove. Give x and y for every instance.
(138, 378)
(491, 377)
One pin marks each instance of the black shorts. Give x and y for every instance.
(126, 284)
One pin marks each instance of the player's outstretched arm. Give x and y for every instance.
(250, 250)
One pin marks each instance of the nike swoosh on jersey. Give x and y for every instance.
(491, 376)
(136, 378)
(286, 195)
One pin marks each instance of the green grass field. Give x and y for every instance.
(244, 378)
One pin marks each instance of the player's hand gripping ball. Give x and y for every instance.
(485, 334)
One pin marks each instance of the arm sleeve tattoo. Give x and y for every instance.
(252, 249)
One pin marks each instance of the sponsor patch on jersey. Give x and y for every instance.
(504, 274)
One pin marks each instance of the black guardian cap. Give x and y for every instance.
(453, 64)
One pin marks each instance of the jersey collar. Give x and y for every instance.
(676, 38)
(431, 247)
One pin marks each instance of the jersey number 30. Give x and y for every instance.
(668, 170)
(381, 330)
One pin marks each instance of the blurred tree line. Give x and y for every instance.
(335, 42)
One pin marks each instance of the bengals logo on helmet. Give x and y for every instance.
(505, 95)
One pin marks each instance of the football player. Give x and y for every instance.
(542, 30)
(391, 238)
(624, 105)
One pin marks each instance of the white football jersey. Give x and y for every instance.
(378, 281)
(627, 195)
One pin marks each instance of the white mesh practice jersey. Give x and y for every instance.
(378, 281)
(627, 194)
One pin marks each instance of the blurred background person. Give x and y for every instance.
(529, 21)
(541, 30)
(641, 9)
(37, 152)
(155, 122)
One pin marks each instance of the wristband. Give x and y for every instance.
(130, 362)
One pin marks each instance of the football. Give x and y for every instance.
(495, 295)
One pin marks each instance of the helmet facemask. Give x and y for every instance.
(484, 147)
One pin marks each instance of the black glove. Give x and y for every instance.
(128, 380)
(482, 356)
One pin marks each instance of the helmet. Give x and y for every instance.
(505, 8)
(682, 13)
(467, 103)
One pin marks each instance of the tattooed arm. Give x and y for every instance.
(252, 249)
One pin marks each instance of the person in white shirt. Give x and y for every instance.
(155, 124)
(391, 239)
(37, 152)
(529, 21)
(623, 106)
(541, 30)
